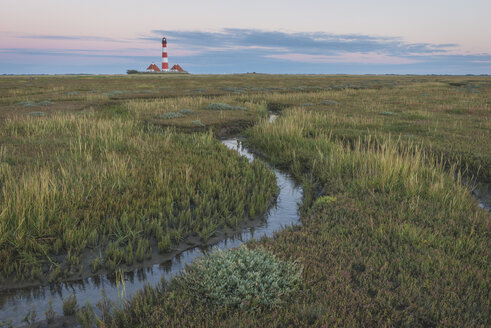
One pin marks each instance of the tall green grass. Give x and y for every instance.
(399, 241)
(442, 120)
(75, 182)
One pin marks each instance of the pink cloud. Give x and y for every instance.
(92, 44)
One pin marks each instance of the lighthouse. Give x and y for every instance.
(176, 69)
(165, 62)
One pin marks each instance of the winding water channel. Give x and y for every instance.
(15, 304)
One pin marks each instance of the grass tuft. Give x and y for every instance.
(70, 305)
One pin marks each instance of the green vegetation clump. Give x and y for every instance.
(388, 113)
(45, 103)
(113, 93)
(324, 201)
(180, 113)
(86, 316)
(243, 278)
(70, 305)
(36, 104)
(170, 115)
(27, 103)
(330, 102)
(234, 90)
(186, 111)
(197, 123)
(222, 106)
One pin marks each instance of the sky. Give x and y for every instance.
(232, 36)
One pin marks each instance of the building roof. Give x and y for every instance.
(177, 68)
(153, 67)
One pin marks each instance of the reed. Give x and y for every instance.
(108, 183)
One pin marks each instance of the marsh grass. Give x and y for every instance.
(388, 238)
(70, 305)
(444, 123)
(224, 112)
(240, 281)
(88, 182)
(394, 225)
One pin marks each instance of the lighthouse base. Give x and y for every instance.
(132, 71)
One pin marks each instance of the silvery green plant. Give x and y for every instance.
(186, 111)
(222, 106)
(197, 122)
(244, 278)
(171, 115)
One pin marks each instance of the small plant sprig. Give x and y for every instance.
(70, 305)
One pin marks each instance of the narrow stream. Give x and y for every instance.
(15, 304)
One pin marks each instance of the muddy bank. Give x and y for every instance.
(190, 242)
(224, 130)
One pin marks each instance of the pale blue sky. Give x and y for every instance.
(289, 36)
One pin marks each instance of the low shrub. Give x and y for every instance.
(170, 115)
(186, 111)
(178, 114)
(324, 201)
(116, 93)
(222, 106)
(198, 123)
(45, 103)
(330, 102)
(27, 104)
(243, 278)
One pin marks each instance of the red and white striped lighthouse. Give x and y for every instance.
(165, 63)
